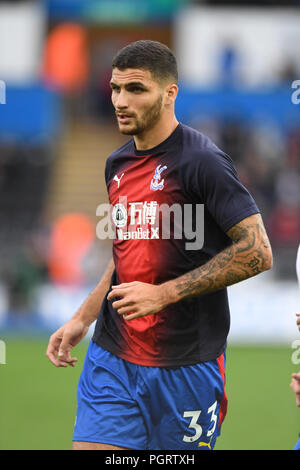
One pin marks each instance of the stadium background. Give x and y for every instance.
(237, 64)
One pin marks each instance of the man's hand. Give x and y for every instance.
(63, 340)
(70, 334)
(298, 320)
(138, 299)
(295, 385)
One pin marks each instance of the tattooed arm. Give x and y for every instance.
(250, 254)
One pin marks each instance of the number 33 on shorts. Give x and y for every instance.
(198, 429)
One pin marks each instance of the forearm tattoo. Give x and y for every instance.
(249, 255)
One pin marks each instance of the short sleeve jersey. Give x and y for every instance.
(188, 181)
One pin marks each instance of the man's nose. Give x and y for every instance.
(121, 101)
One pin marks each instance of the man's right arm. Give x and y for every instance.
(70, 334)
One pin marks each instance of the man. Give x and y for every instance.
(295, 381)
(154, 373)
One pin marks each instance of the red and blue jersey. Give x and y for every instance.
(146, 189)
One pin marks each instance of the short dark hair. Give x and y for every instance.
(148, 55)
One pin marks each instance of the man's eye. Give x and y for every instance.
(137, 89)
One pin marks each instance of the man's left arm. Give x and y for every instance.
(248, 255)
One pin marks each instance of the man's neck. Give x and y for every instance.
(156, 135)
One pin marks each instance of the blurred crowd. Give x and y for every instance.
(268, 163)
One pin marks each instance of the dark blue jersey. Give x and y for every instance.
(160, 199)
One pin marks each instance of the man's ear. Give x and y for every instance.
(171, 92)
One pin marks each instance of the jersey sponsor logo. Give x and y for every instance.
(150, 220)
(140, 215)
(118, 180)
(139, 234)
(157, 183)
(119, 215)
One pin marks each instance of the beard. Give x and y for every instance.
(147, 121)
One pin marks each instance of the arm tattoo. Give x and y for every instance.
(249, 255)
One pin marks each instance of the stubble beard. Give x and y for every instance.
(147, 121)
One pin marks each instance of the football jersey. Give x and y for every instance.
(188, 172)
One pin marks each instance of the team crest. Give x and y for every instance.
(157, 183)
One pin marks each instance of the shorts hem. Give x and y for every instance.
(105, 441)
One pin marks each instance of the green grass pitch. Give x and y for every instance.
(38, 401)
